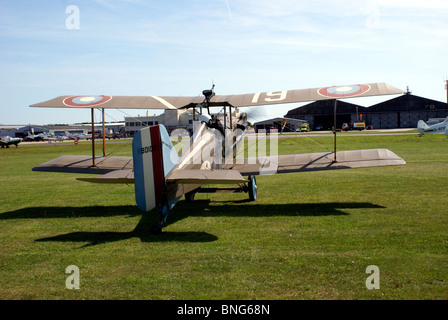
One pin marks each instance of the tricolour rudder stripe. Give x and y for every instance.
(154, 157)
(157, 164)
(143, 170)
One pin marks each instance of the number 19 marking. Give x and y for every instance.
(272, 96)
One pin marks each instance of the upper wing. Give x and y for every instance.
(239, 100)
(119, 102)
(304, 95)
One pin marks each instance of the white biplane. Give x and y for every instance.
(211, 157)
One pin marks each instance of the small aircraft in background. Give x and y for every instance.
(5, 142)
(424, 128)
(213, 155)
(31, 136)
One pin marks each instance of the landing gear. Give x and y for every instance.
(157, 229)
(189, 196)
(252, 188)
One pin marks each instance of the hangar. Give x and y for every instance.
(281, 124)
(320, 114)
(405, 111)
(400, 112)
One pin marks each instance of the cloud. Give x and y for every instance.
(373, 17)
(413, 4)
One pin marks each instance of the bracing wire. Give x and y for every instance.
(256, 118)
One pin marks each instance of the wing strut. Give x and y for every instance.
(93, 138)
(104, 136)
(334, 128)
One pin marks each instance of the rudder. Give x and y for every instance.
(154, 157)
(421, 126)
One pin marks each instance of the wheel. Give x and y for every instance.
(252, 188)
(157, 229)
(189, 196)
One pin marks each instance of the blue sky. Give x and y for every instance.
(136, 47)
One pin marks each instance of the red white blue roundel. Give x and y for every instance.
(344, 91)
(85, 101)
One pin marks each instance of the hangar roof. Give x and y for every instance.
(406, 102)
(326, 107)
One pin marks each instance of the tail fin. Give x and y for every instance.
(154, 157)
(421, 126)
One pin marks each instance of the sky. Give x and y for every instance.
(171, 48)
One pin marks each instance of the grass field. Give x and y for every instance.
(308, 236)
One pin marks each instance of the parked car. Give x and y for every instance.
(305, 127)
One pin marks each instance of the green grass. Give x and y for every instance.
(308, 236)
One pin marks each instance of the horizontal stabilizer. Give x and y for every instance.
(205, 177)
(118, 176)
(176, 177)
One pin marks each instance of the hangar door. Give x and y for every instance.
(326, 122)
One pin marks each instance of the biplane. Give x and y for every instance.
(162, 176)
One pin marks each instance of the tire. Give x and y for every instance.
(189, 196)
(252, 188)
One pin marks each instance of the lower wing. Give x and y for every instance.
(120, 169)
(318, 161)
